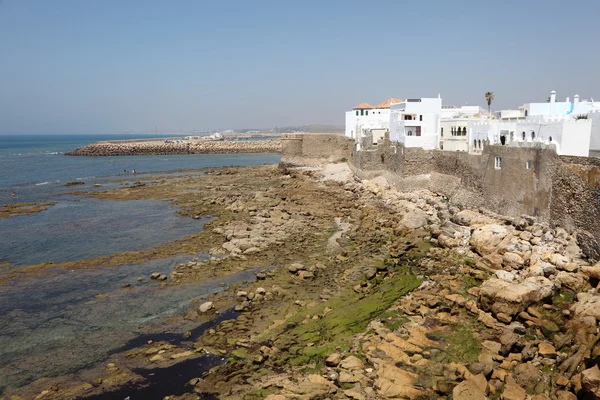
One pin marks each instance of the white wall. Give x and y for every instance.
(595, 134)
(427, 114)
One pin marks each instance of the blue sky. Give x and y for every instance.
(91, 66)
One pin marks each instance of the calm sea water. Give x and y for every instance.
(54, 325)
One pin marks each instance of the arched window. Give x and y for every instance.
(550, 139)
(523, 135)
(532, 135)
(526, 112)
(479, 141)
(465, 131)
(442, 131)
(502, 140)
(474, 143)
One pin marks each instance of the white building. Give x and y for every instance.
(455, 123)
(416, 122)
(367, 119)
(569, 136)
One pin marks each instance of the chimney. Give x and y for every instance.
(576, 99)
(553, 97)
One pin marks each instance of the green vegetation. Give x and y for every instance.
(463, 346)
(394, 319)
(351, 313)
(564, 297)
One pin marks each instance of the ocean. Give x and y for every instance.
(59, 314)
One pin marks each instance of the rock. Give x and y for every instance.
(470, 389)
(512, 391)
(505, 275)
(587, 305)
(206, 307)
(333, 360)
(306, 275)
(261, 276)
(504, 318)
(512, 260)
(470, 218)
(486, 239)
(415, 218)
(592, 272)
(261, 291)
(242, 294)
(573, 281)
(352, 363)
(590, 380)
(155, 275)
(276, 397)
(511, 298)
(346, 377)
(564, 395)
(370, 273)
(293, 268)
(546, 350)
(162, 278)
(355, 393)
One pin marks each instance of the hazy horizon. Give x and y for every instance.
(74, 66)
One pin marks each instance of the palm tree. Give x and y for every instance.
(489, 97)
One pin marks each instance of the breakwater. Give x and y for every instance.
(162, 147)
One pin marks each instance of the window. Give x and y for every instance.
(479, 141)
(523, 135)
(512, 136)
(526, 113)
(362, 112)
(409, 133)
(420, 118)
(366, 113)
(498, 162)
(464, 131)
(442, 131)
(356, 112)
(474, 143)
(550, 139)
(528, 164)
(532, 135)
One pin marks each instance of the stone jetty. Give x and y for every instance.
(162, 147)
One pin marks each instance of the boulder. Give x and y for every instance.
(546, 350)
(415, 218)
(471, 218)
(512, 260)
(333, 360)
(587, 305)
(592, 272)
(590, 381)
(511, 298)
(512, 391)
(486, 239)
(206, 307)
(573, 281)
(352, 363)
(471, 389)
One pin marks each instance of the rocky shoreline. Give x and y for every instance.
(377, 295)
(174, 147)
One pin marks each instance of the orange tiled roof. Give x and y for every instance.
(388, 102)
(363, 106)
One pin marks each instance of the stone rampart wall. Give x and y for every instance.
(558, 190)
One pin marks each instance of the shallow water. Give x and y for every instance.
(79, 228)
(56, 325)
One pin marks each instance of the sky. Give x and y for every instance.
(114, 66)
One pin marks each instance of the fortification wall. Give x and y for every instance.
(513, 181)
(311, 148)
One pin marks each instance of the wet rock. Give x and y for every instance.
(293, 268)
(155, 275)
